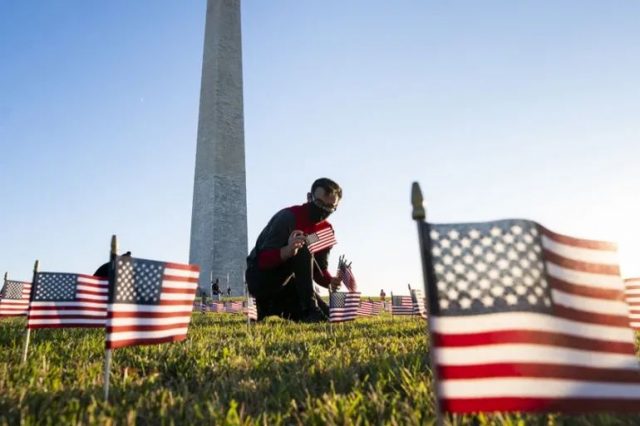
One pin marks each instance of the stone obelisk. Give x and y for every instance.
(219, 215)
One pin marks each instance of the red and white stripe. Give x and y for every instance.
(366, 309)
(131, 324)
(16, 307)
(418, 303)
(216, 307)
(581, 357)
(369, 308)
(252, 308)
(233, 307)
(632, 293)
(326, 239)
(349, 279)
(89, 310)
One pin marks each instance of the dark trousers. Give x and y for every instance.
(287, 290)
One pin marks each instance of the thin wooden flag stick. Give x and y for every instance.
(26, 345)
(331, 329)
(246, 298)
(112, 282)
(392, 316)
(419, 215)
(28, 334)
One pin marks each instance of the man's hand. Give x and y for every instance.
(295, 243)
(336, 281)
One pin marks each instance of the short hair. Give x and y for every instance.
(329, 186)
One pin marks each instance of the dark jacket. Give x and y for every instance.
(266, 253)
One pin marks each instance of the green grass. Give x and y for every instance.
(370, 371)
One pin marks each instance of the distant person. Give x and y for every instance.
(103, 270)
(229, 291)
(215, 287)
(281, 269)
(382, 295)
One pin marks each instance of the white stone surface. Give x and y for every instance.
(219, 215)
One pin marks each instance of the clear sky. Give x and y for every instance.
(498, 108)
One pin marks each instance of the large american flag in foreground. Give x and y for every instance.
(401, 305)
(343, 306)
(417, 303)
(528, 320)
(63, 300)
(321, 240)
(14, 298)
(632, 291)
(150, 302)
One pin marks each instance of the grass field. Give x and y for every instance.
(370, 371)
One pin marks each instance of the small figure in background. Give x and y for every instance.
(215, 288)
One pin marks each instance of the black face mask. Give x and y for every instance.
(316, 214)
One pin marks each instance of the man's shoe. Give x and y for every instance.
(314, 315)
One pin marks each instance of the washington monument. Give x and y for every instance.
(219, 215)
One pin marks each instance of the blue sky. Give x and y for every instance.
(498, 108)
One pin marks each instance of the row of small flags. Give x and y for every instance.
(150, 301)
(76, 300)
(346, 306)
(343, 306)
(231, 307)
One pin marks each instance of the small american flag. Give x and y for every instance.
(524, 319)
(417, 302)
(343, 306)
(348, 279)
(252, 308)
(401, 305)
(63, 300)
(632, 293)
(150, 302)
(321, 240)
(233, 307)
(216, 307)
(14, 298)
(369, 308)
(365, 309)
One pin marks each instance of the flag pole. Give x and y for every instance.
(112, 282)
(246, 298)
(419, 215)
(392, 316)
(33, 286)
(331, 330)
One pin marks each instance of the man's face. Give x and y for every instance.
(326, 201)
